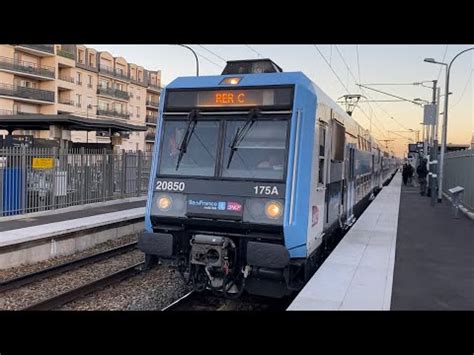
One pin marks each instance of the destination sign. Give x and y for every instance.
(265, 97)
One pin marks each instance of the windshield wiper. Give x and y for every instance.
(242, 133)
(192, 121)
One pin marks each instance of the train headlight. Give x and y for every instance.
(164, 203)
(263, 211)
(168, 204)
(273, 209)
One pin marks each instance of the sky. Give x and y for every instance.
(365, 64)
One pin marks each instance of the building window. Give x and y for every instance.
(104, 84)
(138, 111)
(90, 81)
(119, 108)
(78, 100)
(104, 105)
(79, 79)
(80, 56)
(91, 60)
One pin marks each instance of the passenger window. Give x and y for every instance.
(338, 141)
(322, 150)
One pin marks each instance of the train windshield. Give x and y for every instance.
(199, 158)
(255, 149)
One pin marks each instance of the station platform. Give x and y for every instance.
(401, 254)
(39, 236)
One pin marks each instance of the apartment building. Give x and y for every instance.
(80, 81)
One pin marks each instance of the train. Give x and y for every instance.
(253, 172)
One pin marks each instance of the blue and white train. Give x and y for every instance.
(253, 171)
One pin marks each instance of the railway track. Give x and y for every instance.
(61, 268)
(83, 290)
(206, 301)
(80, 291)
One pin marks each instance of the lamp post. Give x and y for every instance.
(195, 56)
(445, 117)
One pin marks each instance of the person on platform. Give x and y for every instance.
(406, 172)
(422, 172)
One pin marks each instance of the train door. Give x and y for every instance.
(318, 198)
(350, 184)
(372, 173)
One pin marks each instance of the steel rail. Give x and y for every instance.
(83, 290)
(61, 268)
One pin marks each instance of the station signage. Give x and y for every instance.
(43, 163)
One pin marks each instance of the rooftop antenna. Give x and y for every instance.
(351, 101)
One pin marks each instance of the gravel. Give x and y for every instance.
(6, 274)
(37, 291)
(151, 290)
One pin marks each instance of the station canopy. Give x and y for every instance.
(68, 122)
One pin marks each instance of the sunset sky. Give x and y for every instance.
(384, 64)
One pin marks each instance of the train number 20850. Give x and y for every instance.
(170, 186)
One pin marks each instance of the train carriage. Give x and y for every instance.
(253, 170)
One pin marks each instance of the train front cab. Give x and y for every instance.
(230, 207)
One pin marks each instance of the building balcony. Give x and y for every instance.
(154, 88)
(113, 72)
(66, 102)
(15, 112)
(28, 69)
(66, 105)
(65, 54)
(152, 103)
(150, 137)
(138, 82)
(151, 120)
(27, 94)
(42, 50)
(66, 82)
(66, 78)
(112, 113)
(119, 94)
(87, 67)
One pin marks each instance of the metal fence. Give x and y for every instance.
(40, 179)
(459, 170)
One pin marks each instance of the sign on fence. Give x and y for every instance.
(43, 163)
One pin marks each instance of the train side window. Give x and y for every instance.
(322, 150)
(338, 141)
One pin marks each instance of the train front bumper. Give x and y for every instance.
(159, 244)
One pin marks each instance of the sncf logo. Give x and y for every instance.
(234, 206)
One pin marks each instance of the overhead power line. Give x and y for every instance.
(358, 62)
(255, 51)
(347, 90)
(209, 60)
(355, 82)
(464, 90)
(332, 69)
(442, 60)
(212, 52)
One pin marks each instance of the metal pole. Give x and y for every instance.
(444, 132)
(195, 56)
(434, 151)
